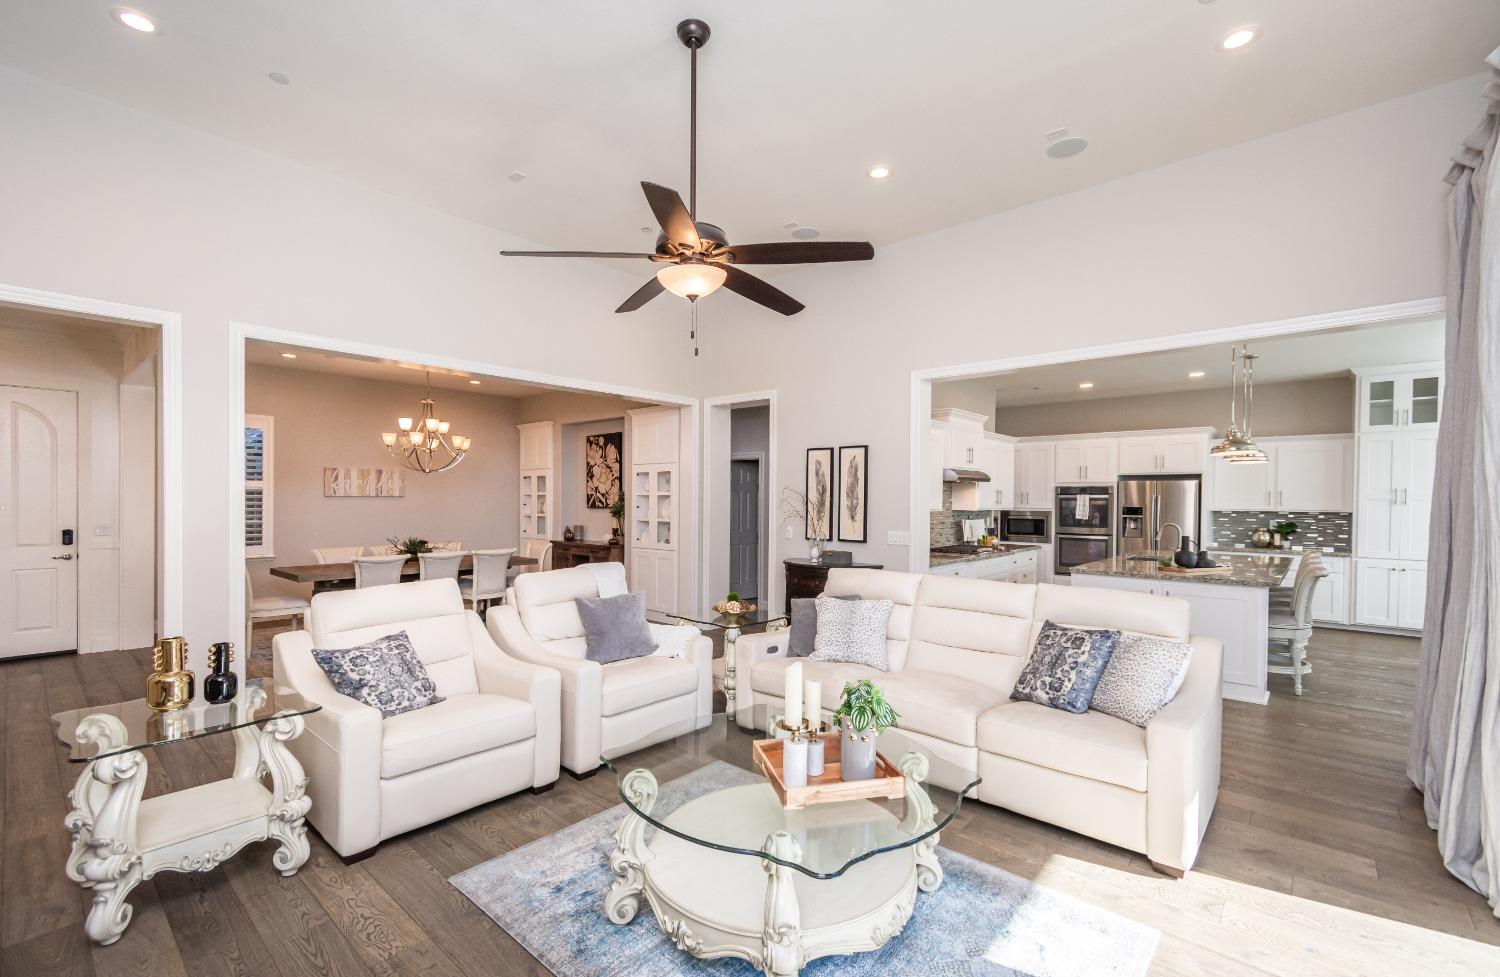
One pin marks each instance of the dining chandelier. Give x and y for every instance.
(423, 443)
(1238, 446)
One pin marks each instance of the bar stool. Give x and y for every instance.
(1293, 625)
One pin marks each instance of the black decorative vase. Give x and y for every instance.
(1185, 556)
(222, 684)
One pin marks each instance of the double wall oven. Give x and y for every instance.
(1085, 526)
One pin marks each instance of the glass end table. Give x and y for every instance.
(733, 625)
(729, 871)
(121, 840)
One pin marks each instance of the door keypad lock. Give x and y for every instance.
(67, 537)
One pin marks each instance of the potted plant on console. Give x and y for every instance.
(862, 715)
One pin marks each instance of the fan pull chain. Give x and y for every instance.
(693, 334)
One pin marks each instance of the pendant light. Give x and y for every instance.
(1238, 445)
(423, 443)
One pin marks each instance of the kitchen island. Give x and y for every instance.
(1012, 562)
(1233, 607)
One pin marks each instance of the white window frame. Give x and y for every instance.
(267, 426)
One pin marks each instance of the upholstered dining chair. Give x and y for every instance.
(338, 554)
(1292, 626)
(378, 571)
(447, 546)
(270, 608)
(440, 565)
(489, 579)
(539, 550)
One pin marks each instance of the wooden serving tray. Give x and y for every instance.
(827, 788)
(1198, 571)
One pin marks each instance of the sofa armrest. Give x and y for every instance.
(749, 651)
(501, 674)
(339, 748)
(699, 652)
(582, 688)
(1182, 760)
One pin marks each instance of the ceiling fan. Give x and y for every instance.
(695, 255)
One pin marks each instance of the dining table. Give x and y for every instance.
(340, 576)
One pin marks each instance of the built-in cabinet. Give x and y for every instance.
(958, 440)
(998, 460)
(537, 499)
(1404, 398)
(933, 464)
(1330, 603)
(1390, 593)
(1302, 475)
(1034, 485)
(1165, 453)
(1396, 474)
(652, 505)
(1086, 461)
(1022, 567)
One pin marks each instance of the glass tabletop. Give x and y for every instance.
(742, 809)
(710, 618)
(256, 704)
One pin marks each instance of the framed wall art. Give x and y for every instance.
(854, 489)
(821, 488)
(362, 483)
(602, 459)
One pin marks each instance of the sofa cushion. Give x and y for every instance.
(1116, 610)
(976, 629)
(768, 678)
(898, 588)
(804, 617)
(1142, 675)
(615, 627)
(431, 612)
(637, 682)
(385, 674)
(545, 603)
(1065, 666)
(945, 706)
(1090, 744)
(454, 728)
(853, 631)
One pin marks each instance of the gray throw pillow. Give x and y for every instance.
(385, 673)
(1143, 674)
(805, 625)
(614, 628)
(1065, 667)
(853, 631)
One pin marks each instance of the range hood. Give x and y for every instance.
(965, 475)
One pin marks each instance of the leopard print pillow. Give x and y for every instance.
(853, 631)
(1142, 675)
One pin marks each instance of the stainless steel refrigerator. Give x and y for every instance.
(1151, 508)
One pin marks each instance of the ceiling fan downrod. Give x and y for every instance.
(694, 34)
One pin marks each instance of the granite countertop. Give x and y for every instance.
(1010, 549)
(1246, 570)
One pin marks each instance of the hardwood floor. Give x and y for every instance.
(1318, 860)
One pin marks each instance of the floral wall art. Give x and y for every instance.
(601, 468)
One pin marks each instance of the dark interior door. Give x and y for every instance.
(744, 528)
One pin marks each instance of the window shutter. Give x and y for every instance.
(257, 447)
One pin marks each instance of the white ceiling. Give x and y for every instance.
(1305, 357)
(440, 100)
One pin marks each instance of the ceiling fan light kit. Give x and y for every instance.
(696, 256)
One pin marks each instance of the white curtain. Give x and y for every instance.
(1455, 746)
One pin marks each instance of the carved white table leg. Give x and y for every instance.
(919, 813)
(628, 860)
(781, 951)
(731, 635)
(290, 804)
(106, 801)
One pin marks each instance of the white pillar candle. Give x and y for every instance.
(813, 703)
(794, 763)
(815, 756)
(793, 717)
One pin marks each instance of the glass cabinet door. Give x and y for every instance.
(1380, 404)
(1426, 401)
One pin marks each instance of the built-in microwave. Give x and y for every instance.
(1026, 527)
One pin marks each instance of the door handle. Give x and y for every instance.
(66, 556)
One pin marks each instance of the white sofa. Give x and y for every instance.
(956, 647)
(604, 707)
(372, 778)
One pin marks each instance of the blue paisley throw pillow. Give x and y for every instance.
(1065, 667)
(385, 673)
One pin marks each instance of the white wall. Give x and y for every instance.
(110, 203)
(1342, 214)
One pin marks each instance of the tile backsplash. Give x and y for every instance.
(1315, 529)
(943, 525)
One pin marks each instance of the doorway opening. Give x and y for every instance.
(739, 478)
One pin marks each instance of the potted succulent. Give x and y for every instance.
(410, 545)
(734, 607)
(862, 715)
(1286, 529)
(617, 513)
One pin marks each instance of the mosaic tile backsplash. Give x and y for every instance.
(943, 526)
(1316, 530)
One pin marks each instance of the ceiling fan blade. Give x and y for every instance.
(673, 217)
(799, 252)
(642, 295)
(760, 291)
(577, 254)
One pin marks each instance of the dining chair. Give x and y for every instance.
(489, 580)
(378, 571)
(270, 609)
(338, 554)
(442, 565)
(447, 546)
(380, 549)
(1293, 626)
(538, 549)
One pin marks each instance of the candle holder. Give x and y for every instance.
(783, 731)
(794, 759)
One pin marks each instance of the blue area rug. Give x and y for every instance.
(982, 922)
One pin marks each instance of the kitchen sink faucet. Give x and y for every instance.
(1157, 542)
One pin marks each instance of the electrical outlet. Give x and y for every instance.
(898, 537)
(788, 532)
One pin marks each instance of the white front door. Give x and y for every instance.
(38, 502)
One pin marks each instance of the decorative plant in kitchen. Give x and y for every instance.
(1286, 528)
(410, 545)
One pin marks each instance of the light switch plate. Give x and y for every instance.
(898, 537)
(789, 532)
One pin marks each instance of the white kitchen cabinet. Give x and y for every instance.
(1034, 468)
(1330, 603)
(1400, 398)
(1086, 461)
(1241, 487)
(999, 454)
(933, 463)
(1044, 565)
(1164, 453)
(965, 436)
(1390, 593)
(1411, 596)
(654, 436)
(535, 449)
(1395, 478)
(1300, 475)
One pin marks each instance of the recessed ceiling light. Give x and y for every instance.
(279, 78)
(134, 19)
(1067, 146)
(805, 233)
(1195, 374)
(1085, 386)
(474, 382)
(879, 171)
(516, 176)
(289, 356)
(1239, 37)
(647, 230)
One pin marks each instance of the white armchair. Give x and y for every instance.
(372, 778)
(604, 707)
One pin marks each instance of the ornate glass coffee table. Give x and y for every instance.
(731, 873)
(733, 625)
(120, 840)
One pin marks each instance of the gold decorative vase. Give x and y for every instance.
(170, 686)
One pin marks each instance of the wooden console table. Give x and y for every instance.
(579, 552)
(804, 578)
